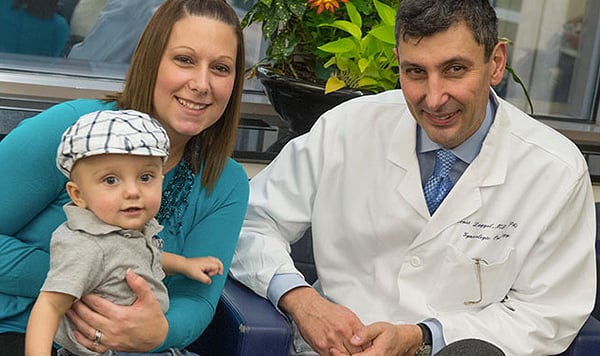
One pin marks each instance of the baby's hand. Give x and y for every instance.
(202, 268)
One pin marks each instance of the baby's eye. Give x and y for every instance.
(110, 180)
(146, 177)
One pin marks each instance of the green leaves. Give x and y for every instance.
(384, 33)
(386, 13)
(352, 47)
(363, 61)
(346, 26)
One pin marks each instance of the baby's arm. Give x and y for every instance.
(198, 268)
(43, 322)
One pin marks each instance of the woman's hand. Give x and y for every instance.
(139, 327)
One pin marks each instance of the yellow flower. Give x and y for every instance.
(329, 5)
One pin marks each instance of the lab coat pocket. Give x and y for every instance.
(465, 281)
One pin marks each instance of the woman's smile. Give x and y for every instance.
(191, 105)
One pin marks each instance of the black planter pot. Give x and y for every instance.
(298, 103)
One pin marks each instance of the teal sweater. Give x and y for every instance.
(31, 207)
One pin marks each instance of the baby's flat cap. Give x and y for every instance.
(102, 132)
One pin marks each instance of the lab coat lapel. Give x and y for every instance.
(401, 154)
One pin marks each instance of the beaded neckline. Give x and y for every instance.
(175, 197)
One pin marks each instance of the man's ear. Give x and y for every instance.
(498, 59)
(75, 194)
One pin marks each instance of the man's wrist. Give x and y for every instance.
(426, 347)
(295, 298)
(282, 283)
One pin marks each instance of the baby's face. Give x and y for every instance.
(120, 189)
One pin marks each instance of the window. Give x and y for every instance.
(556, 53)
(87, 38)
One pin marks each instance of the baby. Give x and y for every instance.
(114, 161)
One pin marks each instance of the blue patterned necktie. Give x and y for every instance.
(439, 184)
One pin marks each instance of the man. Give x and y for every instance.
(440, 205)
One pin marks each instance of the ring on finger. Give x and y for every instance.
(97, 337)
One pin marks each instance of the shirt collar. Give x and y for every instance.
(468, 150)
(84, 220)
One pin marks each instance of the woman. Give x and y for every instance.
(187, 72)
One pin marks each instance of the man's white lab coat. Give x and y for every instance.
(524, 209)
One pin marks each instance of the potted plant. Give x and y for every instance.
(319, 41)
(328, 51)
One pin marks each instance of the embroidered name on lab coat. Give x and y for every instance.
(488, 231)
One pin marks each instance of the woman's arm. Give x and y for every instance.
(219, 218)
(43, 322)
(31, 200)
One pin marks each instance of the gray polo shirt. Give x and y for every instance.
(89, 256)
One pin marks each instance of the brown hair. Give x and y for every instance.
(210, 149)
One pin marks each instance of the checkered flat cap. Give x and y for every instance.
(120, 132)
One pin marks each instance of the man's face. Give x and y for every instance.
(446, 82)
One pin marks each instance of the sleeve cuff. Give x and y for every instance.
(283, 283)
(437, 335)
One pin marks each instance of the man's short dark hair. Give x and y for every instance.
(424, 18)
